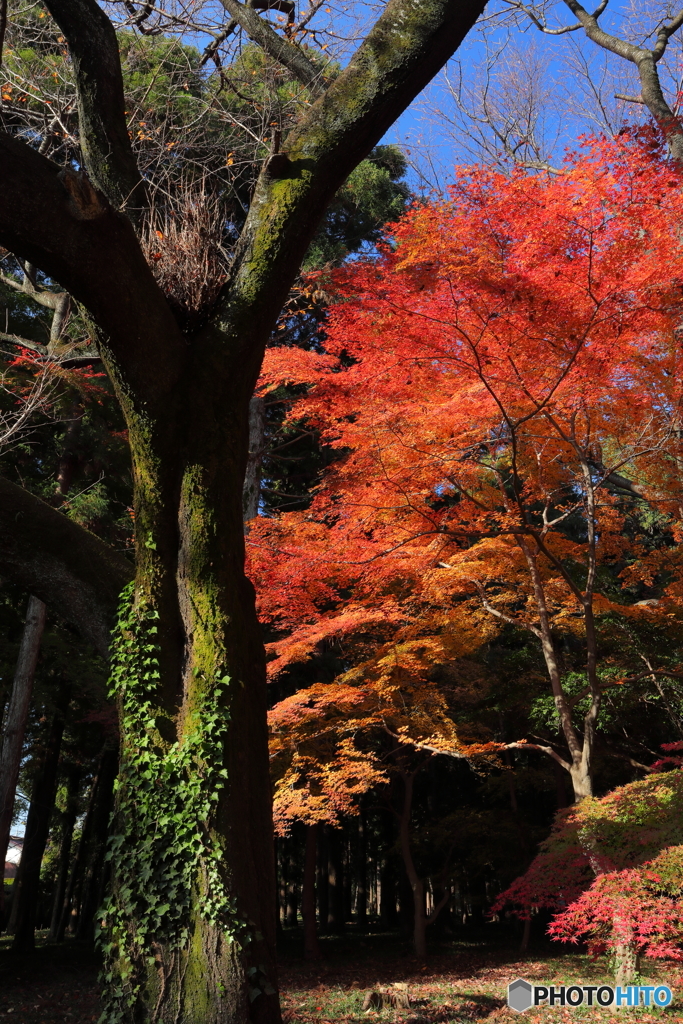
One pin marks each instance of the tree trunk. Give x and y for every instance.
(68, 823)
(25, 895)
(336, 916)
(323, 881)
(526, 935)
(251, 494)
(93, 881)
(71, 899)
(626, 962)
(291, 915)
(311, 945)
(347, 891)
(419, 920)
(15, 723)
(189, 928)
(387, 878)
(582, 779)
(281, 865)
(362, 872)
(416, 884)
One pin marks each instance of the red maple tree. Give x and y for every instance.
(503, 386)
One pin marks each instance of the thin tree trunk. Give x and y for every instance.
(251, 495)
(362, 871)
(526, 934)
(347, 891)
(15, 723)
(626, 960)
(416, 884)
(91, 894)
(72, 893)
(323, 883)
(336, 916)
(387, 876)
(579, 767)
(311, 945)
(280, 883)
(291, 914)
(421, 919)
(68, 824)
(25, 896)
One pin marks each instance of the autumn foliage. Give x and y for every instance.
(612, 869)
(502, 385)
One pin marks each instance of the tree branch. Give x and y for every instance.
(60, 562)
(58, 302)
(521, 745)
(408, 45)
(646, 62)
(55, 219)
(664, 34)
(281, 50)
(107, 152)
(408, 741)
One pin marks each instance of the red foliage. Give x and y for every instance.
(510, 351)
(613, 868)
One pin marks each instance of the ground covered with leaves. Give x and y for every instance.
(54, 984)
(463, 982)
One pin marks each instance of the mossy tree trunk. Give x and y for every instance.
(188, 931)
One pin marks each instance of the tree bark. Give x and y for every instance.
(526, 935)
(93, 886)
(257, 438)
(416, 884)
(25, 894)
(626, 961)
(362, 871)
(323, 880)
(291, 910)
(64, 863)
(311, 944)
(71, 898)
(15, 722)
(387, 875)
(336, 916)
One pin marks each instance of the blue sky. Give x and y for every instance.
(578, 80)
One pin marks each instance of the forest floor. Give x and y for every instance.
(464, 982)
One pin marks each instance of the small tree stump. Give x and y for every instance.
(396, 996)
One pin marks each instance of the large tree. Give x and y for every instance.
(189, 928)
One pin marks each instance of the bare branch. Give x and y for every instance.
(646, 62)
(3, 25)
(629, 99)
(523, 745)
(281, 50)
(664, 34)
